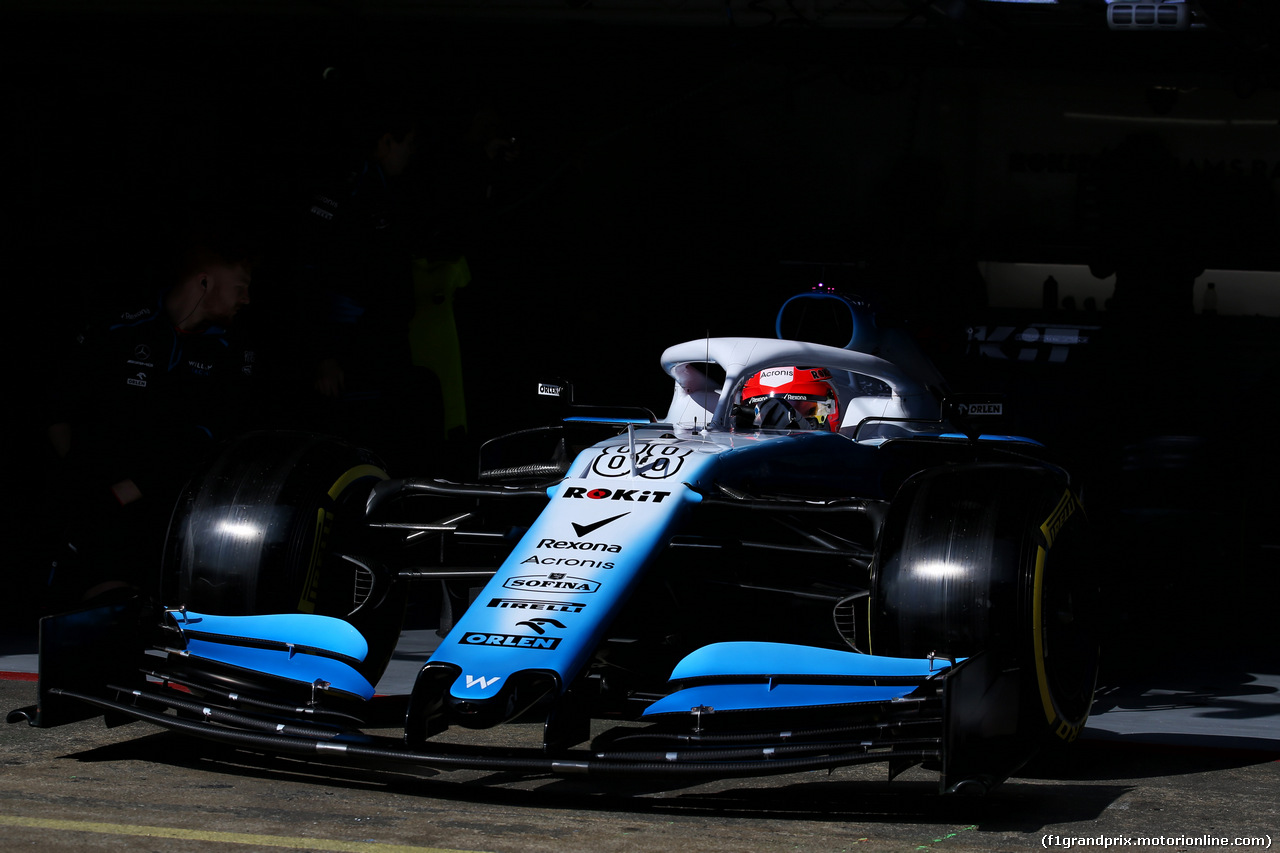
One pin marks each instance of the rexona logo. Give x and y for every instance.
(638, 495)
(510, 640)
(563, 544)
(546, 606)
(551, 582)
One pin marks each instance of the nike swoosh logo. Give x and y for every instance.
(584, 529)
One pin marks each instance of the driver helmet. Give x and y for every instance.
(792, 398)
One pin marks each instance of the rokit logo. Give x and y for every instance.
(544, 606)
(510, 641)
(554, 581)
(638, 495)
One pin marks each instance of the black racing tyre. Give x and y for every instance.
(272, 526)
(992, 558)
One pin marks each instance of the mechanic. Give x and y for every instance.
(363, 231)
(798, 398)
(139, 399)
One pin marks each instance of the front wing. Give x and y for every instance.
(738, 709)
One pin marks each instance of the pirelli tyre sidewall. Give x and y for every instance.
(993, 558)
(268, 526)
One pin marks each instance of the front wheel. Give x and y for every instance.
(991, 558)
(270, 526)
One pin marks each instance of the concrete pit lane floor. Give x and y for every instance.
(1177, 756)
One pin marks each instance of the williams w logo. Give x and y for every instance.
(484, 682)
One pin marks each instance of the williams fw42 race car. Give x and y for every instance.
(815, 558)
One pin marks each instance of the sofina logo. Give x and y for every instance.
(553, 582)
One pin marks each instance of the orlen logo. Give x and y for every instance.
(518, 641)
(638, 495)
(554, 582)
(975, 409)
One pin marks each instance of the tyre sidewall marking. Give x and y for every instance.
(1067, 730)
(324, 521)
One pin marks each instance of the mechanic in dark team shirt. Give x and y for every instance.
(142, 397)
(363, 231)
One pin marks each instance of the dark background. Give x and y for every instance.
(684, 168)
(676, 159)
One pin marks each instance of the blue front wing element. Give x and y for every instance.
(300, 647)
(750, 676)
(768, 697)
(782, 659)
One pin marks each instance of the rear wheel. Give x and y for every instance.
(273, 525)
(991, 559)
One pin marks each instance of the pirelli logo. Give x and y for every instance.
(1060, 515)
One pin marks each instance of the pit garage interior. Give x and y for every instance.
(978, 170)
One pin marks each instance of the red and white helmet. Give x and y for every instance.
(807, 392)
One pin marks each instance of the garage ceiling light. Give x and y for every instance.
(1170, 16)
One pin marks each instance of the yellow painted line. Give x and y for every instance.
(292, 842)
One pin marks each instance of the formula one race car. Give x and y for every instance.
(816, 558)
